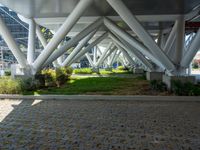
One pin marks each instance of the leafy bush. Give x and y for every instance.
(50, 77)
(11, 86)
(185, 89)
(158, 85)
(121, 68)
(195, 65)
(61, 76)
(7, 73)
(40, 80)
(56, 77)
(83, 71)
(69, 71)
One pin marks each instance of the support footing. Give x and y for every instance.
(150, 76)
(18, 72)
(95, 70)
(138, 71)
(168, 80)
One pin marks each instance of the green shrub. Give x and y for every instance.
(40, 80)
(61, 76)
(7, 73)
(11, 86)
(83, 71)
(69, 71)
(158, 85)
(185, 89)
(195, 65)
(121, 68)
(56, 77)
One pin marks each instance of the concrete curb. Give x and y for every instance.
(104, 97)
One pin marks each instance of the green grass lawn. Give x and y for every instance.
(101, 71)
(99, 86)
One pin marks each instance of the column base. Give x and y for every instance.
(18, 72)
(109, 69)
(138, 71)
(168, 80)
(150, 76)
(95, 70)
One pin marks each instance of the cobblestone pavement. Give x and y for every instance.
(99, 125)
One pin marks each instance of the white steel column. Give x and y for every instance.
(31, 41)
(41, 36)
(7, 36)
(180, 40)
(74, 41)
(109, 52)
(89, 59)
(125, 53)
(89, 47)
(77, 49)
(95, 55)
(129, 39)
(171, 39)
(61, 33)
(134, 24)
(116, 57)
(112, 58)
(193, 49)
(103, 54)
(132, 51)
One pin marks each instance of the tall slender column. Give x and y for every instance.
(180, 41)
(7, 36)
(77, 49)
(133, 42)
(93, 27)
(41, 36)
(61, 33)
(193, 49)
(89, 47)
(89, 59)
(134, 24)
(103, 54)
(31, 42)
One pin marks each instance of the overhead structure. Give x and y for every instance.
(151, 32)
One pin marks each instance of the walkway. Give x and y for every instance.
(99, 125)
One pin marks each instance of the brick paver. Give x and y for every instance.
(99, 125)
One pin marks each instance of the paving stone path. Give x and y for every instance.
(99, 125)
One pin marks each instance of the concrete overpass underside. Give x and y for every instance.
(158, 36)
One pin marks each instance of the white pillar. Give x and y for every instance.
(132, 51)
(74, 41)
(193, 49)
(77, 49)
(125, 53)
(89, 47)
(129, 39)
(89, 59)
(61, 33)
(7, 36)
(116, 57)
(171, 39)
(112, 58)
(95, 55)
(180, 40)
(103, 54)
(31, 42)
(134, 24)
(41, 36)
